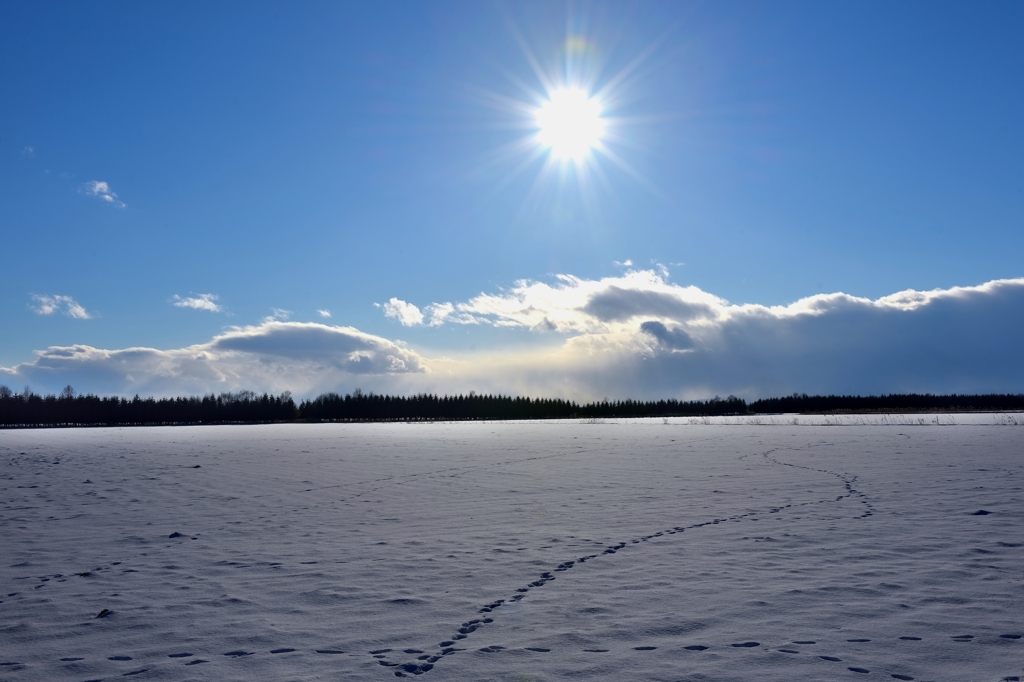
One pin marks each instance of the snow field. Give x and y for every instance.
(515, 551)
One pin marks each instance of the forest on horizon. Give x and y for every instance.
(28, 409)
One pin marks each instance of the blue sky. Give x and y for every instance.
(181, 177)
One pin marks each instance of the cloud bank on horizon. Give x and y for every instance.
(636, 335)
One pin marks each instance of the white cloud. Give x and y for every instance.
(47, 305)
(273, 356)
(623, 264)
(631, 336)
(323, 313)
(441, 313)
(277, 315)
(404, 313)
(576, 305)
(199, 302)
(28, 152)
(98, 188)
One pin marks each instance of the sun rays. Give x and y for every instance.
(571, 129)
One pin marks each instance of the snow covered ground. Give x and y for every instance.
(628, 550)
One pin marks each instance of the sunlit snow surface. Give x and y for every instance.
(722, 551)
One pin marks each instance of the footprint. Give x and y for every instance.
(830, 658)
(238, 654)
(858, 640)
(328, 651)
(493, 649)
(981, 512)
(411, 651)
(197, 661)
(645, 648)
(72, 659)
(911, 639)
(804, 641)
(596, 651)
(119, 658)
(747, 644)
(416, 669)
(789, 651)
(181, 655)
(1010, 636)
(381, 651)
(135, 672)
(860, 670)
(696, 647)
(537, 648)
(901, 677)
(281, 651)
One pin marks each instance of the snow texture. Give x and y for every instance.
(633, 550)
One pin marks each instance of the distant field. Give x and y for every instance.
(727, 549)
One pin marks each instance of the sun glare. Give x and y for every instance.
(570, 124)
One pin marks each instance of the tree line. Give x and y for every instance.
(361, 406)
(896, 402)
(71, 409)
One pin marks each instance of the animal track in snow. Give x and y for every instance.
(471, 626)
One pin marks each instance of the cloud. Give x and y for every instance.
(323, 313)
(98, 188)
(404, 313)
(47, 305)
(277, 315)
(616, 304)
(573, 304)
(440, 313)
(674, 339)
(637, 336)
(641, 335)
(199, 302)
(28, 152)
(272, 356)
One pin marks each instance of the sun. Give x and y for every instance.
(569, 124)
